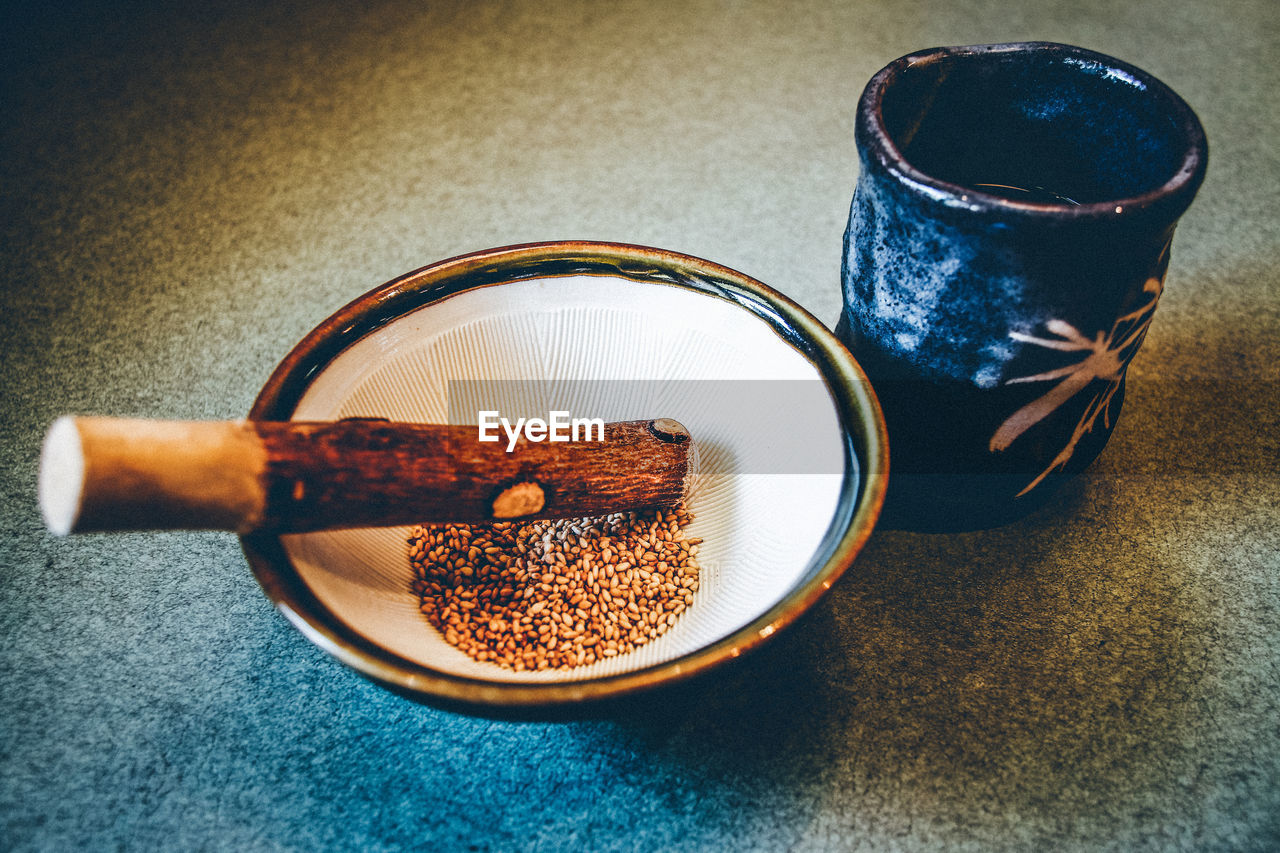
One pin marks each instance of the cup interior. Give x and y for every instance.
(1043, 123)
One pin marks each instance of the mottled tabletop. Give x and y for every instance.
(186, 193)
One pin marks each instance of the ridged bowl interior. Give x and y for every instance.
(770, 450)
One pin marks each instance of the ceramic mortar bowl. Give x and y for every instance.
(790, 469)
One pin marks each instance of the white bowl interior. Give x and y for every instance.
(770, 454)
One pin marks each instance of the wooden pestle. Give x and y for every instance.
(102, 474)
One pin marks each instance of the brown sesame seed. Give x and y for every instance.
(611, 584)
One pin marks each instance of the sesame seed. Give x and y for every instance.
(554, 594)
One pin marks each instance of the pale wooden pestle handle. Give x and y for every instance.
(101, 474)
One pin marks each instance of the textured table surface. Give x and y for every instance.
(186, 194)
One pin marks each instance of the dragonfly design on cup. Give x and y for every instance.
(1107, 355)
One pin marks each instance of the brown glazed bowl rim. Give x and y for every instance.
(1168, 200)
(861, 492)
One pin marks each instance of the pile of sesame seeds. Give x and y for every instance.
(555, 594)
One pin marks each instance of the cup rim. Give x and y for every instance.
(859, 505)
(1171, 198)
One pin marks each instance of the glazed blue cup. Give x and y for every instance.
(1007, 245)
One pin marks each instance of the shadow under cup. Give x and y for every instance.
(1006, 248)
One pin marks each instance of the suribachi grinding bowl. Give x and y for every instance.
(791, 453)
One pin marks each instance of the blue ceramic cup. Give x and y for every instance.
(1007, 245)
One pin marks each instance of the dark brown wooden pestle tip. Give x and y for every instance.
(669, 430)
